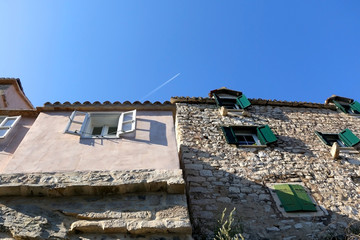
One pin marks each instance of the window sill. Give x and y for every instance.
(346, 149)
(251, 146)
(234, 112)
(321, 211)
(99, 137)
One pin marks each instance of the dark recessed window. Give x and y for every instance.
(345, 138)
(352, 108)
(248, 135)
(232, 102)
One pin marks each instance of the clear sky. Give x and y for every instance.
(124, 49)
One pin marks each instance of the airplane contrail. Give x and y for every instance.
(160, 86)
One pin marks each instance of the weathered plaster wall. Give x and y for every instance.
(220, 175)
(12, 99)
(9, 145)
(46, 148)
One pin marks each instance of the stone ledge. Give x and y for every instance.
(91, 183)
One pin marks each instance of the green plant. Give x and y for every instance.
(353, 231)
(226, 229)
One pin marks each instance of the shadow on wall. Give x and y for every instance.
(211, 188)
(147, 131)
(14, 139)
(52, 218)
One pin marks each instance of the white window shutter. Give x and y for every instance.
(76, 122)
(6, 124)
(127, 123)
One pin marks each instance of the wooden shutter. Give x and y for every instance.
(127, 123)
(338, 105)
(287, 198)
(355, 106)
(243, 102)
(322, 138)
(76, 122)
(303, 198)
(265, 135)
(293, 198)
(348, 138)
(229, 135)
(218, 100)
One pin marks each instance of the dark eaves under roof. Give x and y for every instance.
(107, 106)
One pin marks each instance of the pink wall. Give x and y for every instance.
(46, 148)
(9, 145)
(13, 99)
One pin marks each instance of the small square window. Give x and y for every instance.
(231, 101)
(294, 200)
(345, 138)
(101, 125)
(248, 135)
(6, 124)
(348, 107)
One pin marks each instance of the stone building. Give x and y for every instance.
(89, 170)
(291, 169)
(112, 170)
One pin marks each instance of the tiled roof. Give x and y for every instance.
(106, 106)
(106, 103)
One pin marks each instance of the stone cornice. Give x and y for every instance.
(200, 100)
(91, 183)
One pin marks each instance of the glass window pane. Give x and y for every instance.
(112, 130)
(128, 117)
(97, 131)
(3, 132)
(9, 122)
(126, 126)
(1, 119)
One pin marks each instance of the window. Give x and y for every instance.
(6, 124)
(249, 135)
(232, 102)
(101, 125)
(345, 138)
(294, 198)
(352, 108)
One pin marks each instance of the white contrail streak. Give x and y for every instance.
(160, 86)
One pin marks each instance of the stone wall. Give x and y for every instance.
(141, 204)
(219, 175)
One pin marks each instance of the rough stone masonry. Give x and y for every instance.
(220, 175)
(134, 204)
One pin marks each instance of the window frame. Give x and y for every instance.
(346, 138)
(86, 129)
(236, 102)
(8, 128)
(310, 203)
(262, 135)
(352, 108)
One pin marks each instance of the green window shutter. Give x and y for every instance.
(287, 198)
(355, 106)
(338, 105)
(320, 135)
(229, 135)
(218, 101)
(243, 102)
(303, 198)
(265, 135)
(348, 138)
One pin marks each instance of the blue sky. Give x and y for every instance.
(123, 50)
